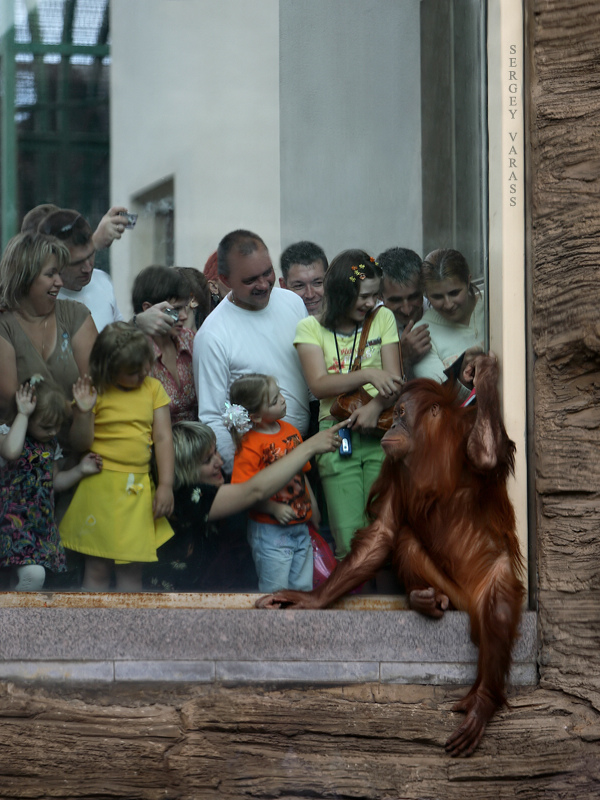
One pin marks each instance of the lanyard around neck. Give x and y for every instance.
(337, 350)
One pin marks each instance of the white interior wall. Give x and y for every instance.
(197, 90)
(195, 97)
(351, 124)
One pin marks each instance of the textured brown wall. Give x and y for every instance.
(564, 45)
(386, 742)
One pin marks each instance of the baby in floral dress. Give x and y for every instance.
(29, 539)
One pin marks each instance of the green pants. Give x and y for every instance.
(347, 483)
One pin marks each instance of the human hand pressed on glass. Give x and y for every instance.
(84, 394)
(26, 399)
(386, 383)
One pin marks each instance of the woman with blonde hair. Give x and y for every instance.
(39, 334)
(186, 562)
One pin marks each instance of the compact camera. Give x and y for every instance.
(346, 445)
(173, 313)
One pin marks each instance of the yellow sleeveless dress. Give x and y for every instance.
(110, 515)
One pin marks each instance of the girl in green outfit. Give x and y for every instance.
(327, 348)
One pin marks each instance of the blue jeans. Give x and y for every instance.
(283, 556)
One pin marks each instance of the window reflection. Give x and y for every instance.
(340, 124)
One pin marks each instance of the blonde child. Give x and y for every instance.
(202, 497)
(29, 474)
(277, 528)
(116, 518)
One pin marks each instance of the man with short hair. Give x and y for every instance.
(81, 281)
(402, 293)
(251, 330)
(110, 227)
(303, 267)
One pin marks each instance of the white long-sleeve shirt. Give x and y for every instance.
(234, 341)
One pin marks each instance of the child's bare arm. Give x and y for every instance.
(234, 497)
(283, 513)
(165, 460)
(90, 464)
(81, 434)
(11, 443)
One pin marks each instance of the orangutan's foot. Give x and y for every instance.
(479, 708)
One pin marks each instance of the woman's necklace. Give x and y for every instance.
(32, 331)
(337, 350)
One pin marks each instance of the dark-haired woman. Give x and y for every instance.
(172, 350)
(199, 304)
(328, 347)
(456, 318)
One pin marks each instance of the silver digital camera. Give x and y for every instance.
(173, 313)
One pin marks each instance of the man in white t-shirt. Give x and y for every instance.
(251, 330)
(402, 293)
(81, 281)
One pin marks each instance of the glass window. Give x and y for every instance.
(360, 124)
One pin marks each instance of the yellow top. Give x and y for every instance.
(123, 425)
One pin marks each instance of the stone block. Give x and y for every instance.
(297, 671)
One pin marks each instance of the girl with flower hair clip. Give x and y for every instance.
(29, 476)
(202, 497)
(277, 528)
(328, 350)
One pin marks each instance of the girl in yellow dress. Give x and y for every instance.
(117, 518)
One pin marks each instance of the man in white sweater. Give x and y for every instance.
(251, 330)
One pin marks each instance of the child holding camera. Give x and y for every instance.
(277, 528)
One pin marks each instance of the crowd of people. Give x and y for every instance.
(217, 398)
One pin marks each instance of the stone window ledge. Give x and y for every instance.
(106, 638)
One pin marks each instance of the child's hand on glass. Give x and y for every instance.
(163, 503)
(282, 513)
(84, 394)
(26, 399)
(90, 464)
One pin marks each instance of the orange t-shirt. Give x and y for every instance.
(261, 449)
